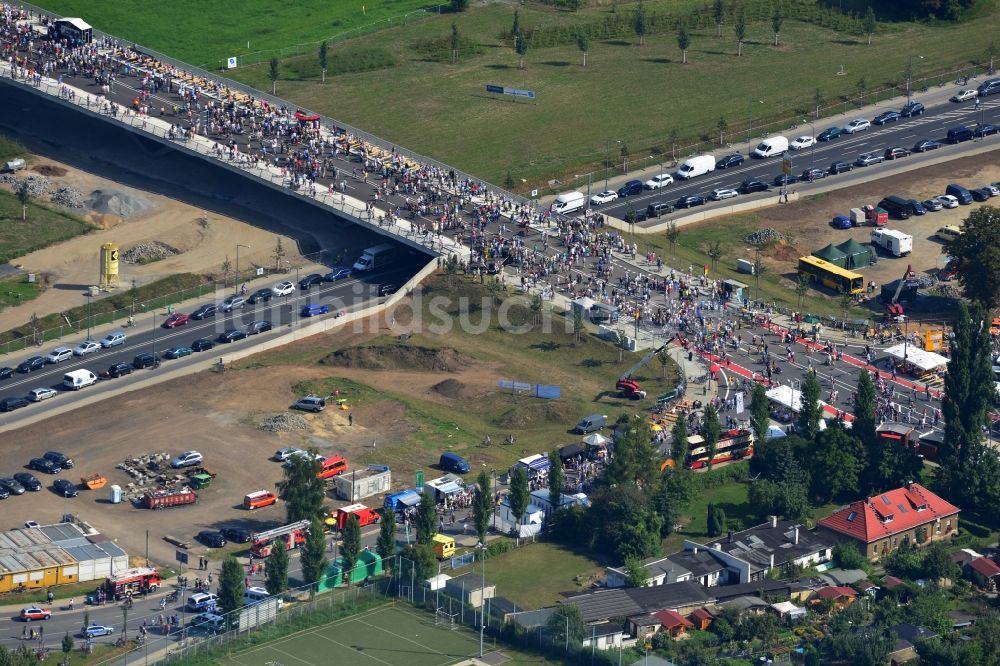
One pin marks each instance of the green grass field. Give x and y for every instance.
(43, 227)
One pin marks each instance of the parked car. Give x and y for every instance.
(235, 534)
(6, 373)
(43, 465)
(629, 188)
(607, 196)
(911, 109)
(656, 182)
(65, 487)
(750, 185)
(284, 453)
(260, 296)
(28, 481)
(985, 129)
(948, 201)
(887, 117)
(867, 159)
(722, 193)
(4, 493)
(895, 153)
(39, 394)
(810, 175)
(337, 274)
(690, 201)
(95, 630)
(994, 190)
(782, 179)
(932, 205)
(212, 539)
(231, 335)
(841, 167)
(86, 347)
(729, 161)
(205, 311)
(829, 134)
(917, 207)
(59, 354)
(857, 125)
(145, 361)
(116, 370)
(232, 303)
(113, 339)
(178, 352)
(284, 288)
(175, 320)
(202, 344)
(256, 327)
(202, 601)
(11, 486)
(980, 193)
(924, 145)
(314, 310)
(35, 613)
(187, 459)
(31, 364)
(841, 222)
(802, 142)
(60, 459)
(310, 403)
(11, 403)
(965, 95)
(310, 280)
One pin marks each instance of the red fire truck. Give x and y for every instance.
(135, 580)
(339, 517)
(292, 536)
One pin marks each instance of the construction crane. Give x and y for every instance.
(629, 387)
(893, 308)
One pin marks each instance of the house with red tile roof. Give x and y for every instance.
(984, 572)
(840, 595)
(879, 525)
(673, 623)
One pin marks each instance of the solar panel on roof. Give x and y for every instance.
(902, 509)
(885, 498)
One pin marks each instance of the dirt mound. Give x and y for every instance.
(399, 357)
(49, 170)
(450, 388)
(284, 422)
(117, 202)
(523, 416)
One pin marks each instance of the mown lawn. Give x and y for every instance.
(43, 227)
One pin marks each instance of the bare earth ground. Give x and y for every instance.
(218, 415)
(73, 265)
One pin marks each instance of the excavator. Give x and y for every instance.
(629, 387)
(894, 309)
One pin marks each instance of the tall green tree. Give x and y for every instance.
(273, 75)
(519, 493)
(520, 48)
(837, 462)
(276, 575)
(636, 573)
(683, 40)
(679, 448)
(809, 409)
(665, 505)
(313, 557)
(426, 519)
(640, 23)
(622, 523)
(976, 251)
(760, 413)
(323, 55)
(302, 490)
(418, 561)
(459, 5)
(515, 28)
(67, 647)
(386, 544)
(870, 24)
(482, 505)
(718, 14)
(740, 30)
(230, 586)
(566, 626)
(776, 20)
(350, 547)
(711, 432)
(583, 44)
(636, 460)
(555, 478)
(454, 42)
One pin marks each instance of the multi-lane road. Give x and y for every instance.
(933, 123)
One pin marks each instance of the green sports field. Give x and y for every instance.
(385, 635)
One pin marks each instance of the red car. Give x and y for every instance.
(176, 319)
(35, 613)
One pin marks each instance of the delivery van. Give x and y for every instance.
(255, 595)
(259, 499)
(592, 423)
(452, 462)
(696, 166)
(78, 379)
(771, 147)
(444, 546)
(568, 202)
(332, 466)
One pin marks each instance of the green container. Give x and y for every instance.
(199, 481)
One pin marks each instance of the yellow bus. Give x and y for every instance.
(834, 277)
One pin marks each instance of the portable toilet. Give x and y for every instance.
(116, 494)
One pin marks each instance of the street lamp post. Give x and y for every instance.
(909, 79)
(812, 153)
(89, 320)
(236, 283)
(482, 598)
(607, 159)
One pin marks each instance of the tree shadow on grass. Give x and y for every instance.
(556, 63)
(498, 66)
(591, 363)
(658, 61)
(618, 42)
(847, 42)
(547, 346)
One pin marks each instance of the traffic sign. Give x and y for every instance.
(786, 166)
(181, 556)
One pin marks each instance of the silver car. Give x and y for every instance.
(232, 303)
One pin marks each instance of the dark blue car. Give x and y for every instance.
(313, 310)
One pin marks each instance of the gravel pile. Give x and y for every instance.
(8, 179)
(763, 236)
(284, 422)
(117, 202)
(145, 252)
(68, 196)
(37, 185)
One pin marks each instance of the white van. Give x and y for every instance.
(255, 595)
(569, 202)
(78, 379)
(771, 147)
(696, 166)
